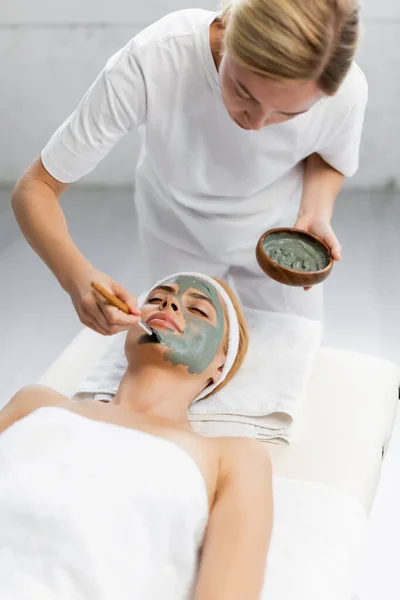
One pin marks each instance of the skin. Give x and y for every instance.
(154, 396)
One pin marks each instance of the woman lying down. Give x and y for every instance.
(124, 500)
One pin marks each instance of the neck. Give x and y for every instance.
(216, 37)
(157, 394)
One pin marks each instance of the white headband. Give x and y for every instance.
(233, 325)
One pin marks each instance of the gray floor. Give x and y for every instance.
(362, 299)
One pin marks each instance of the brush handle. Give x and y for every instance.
(113, 300)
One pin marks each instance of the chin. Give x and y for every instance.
(141, 355)
(134, 344)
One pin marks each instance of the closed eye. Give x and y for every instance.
(242, 95)
(194, 308)
(154, 300)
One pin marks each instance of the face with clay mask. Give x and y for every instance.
(189, 317)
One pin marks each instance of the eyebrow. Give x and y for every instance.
(202, 297)
(165, 288)
(288, 114)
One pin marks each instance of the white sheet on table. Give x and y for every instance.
(317, 541)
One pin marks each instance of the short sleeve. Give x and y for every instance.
(113, 105)
(342, 149)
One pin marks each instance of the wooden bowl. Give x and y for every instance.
(289, 276)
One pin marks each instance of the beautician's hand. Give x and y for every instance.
(96, 313)
(321, 228)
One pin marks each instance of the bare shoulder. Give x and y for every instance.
(243, 459)
(238, 450)
(35, 396)
(27, 400)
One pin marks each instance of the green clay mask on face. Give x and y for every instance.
(198, 345)
(295, 251)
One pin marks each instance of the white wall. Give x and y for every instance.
(51, 51)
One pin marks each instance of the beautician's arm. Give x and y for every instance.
(322, 184)
(35, 202)
(233, 559)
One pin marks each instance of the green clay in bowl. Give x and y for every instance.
(295, 251)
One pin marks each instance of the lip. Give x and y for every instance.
(159, 316)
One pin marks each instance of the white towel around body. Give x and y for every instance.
(94, 511)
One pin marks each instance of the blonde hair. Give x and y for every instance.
(309, 40)
(243, 338)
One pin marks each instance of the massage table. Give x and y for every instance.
(338, 444)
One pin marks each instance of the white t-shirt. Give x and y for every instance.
(195, 161)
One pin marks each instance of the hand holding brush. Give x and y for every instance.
(117, 303)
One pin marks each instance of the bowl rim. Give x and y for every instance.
(305, 233)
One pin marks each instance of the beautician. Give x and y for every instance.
(250, 119)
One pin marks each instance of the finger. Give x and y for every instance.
(88, 321)
(91, 321)
(301, 224)
(113, 319)
(112, 327)
(93, 307)
(129, 299)
(92, 325)
(334, 246)
(117, 318)
(336, 252)
(90, 306)
(331, 240)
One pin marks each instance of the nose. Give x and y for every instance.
(256, 119)
(170, 302)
